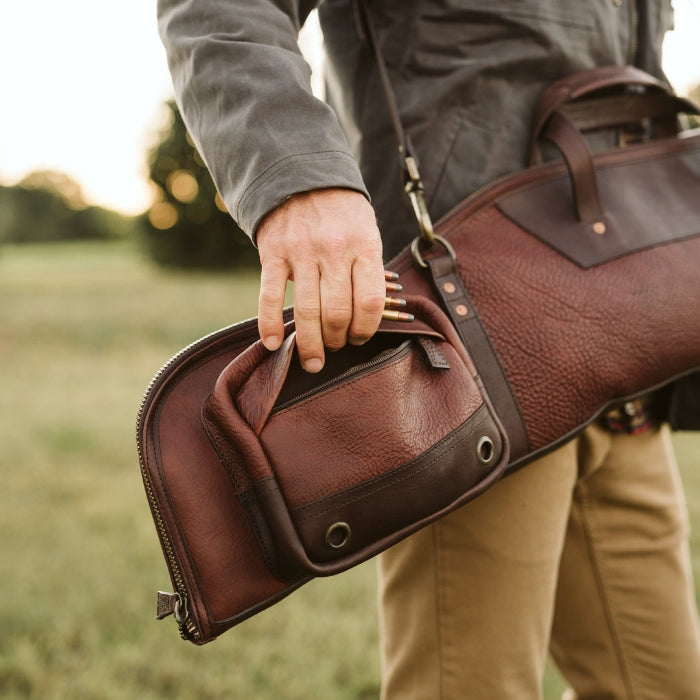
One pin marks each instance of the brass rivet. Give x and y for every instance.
(449, 288)
(599, 228)
(461, 309)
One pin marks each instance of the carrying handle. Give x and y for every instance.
(645, 98)
(562, 115)
(583, 83)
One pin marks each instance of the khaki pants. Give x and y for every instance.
(582, 553)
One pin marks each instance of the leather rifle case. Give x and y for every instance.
(570, 287)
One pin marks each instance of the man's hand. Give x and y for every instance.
(328, 244)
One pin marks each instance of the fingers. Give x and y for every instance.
(273, 283)
(307, 318)
(368, 298)
(328, 243)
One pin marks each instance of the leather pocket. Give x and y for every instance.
(332, 469)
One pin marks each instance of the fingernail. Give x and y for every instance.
(313, 365)
(271, 342)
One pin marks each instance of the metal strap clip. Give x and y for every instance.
(415, 191)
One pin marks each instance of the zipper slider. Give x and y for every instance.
(168, 603)
(174, 604)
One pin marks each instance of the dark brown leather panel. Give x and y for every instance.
(642, 206)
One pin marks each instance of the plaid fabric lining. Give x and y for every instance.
(633, 417)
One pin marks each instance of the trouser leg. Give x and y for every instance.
(625, 624)
(466, 603)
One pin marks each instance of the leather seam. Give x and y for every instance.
(393, 478)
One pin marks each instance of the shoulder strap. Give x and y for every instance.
(409, 163)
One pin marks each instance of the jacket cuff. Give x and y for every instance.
(292, 175)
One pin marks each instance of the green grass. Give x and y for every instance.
(83, 328)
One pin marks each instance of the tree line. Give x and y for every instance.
(49, 207)
(186, 226)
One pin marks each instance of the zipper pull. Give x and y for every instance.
(433, 353)
(167, 604)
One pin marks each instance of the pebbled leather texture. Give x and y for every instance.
(361, 451)
(565, 341)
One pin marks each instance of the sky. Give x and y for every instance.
(82, 84)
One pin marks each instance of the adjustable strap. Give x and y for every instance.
(455, 298)
(409, 163)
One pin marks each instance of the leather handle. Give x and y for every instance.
(586, 82)
(562, 115)
(257, 396)
(618, 110)
(579, 161)
(652, 100)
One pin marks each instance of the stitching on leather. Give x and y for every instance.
(392, 479)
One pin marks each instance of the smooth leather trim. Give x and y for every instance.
(455, 298)
(639, 211)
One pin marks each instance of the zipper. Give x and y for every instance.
(384, 357)
(180, 606)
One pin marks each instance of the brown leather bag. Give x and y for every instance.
(569, 287)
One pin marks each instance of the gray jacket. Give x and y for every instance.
(466, 74)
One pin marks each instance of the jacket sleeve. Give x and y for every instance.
(243, 89)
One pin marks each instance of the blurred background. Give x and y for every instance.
(115, 252)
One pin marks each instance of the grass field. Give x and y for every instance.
(83, 328)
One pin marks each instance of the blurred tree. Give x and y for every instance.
(188, 225)
(48, 206)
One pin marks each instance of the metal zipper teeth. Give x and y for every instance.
(187, 626)
(393, 355)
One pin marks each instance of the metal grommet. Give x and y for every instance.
(415, 251)
(485, 450)
(337, 535)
